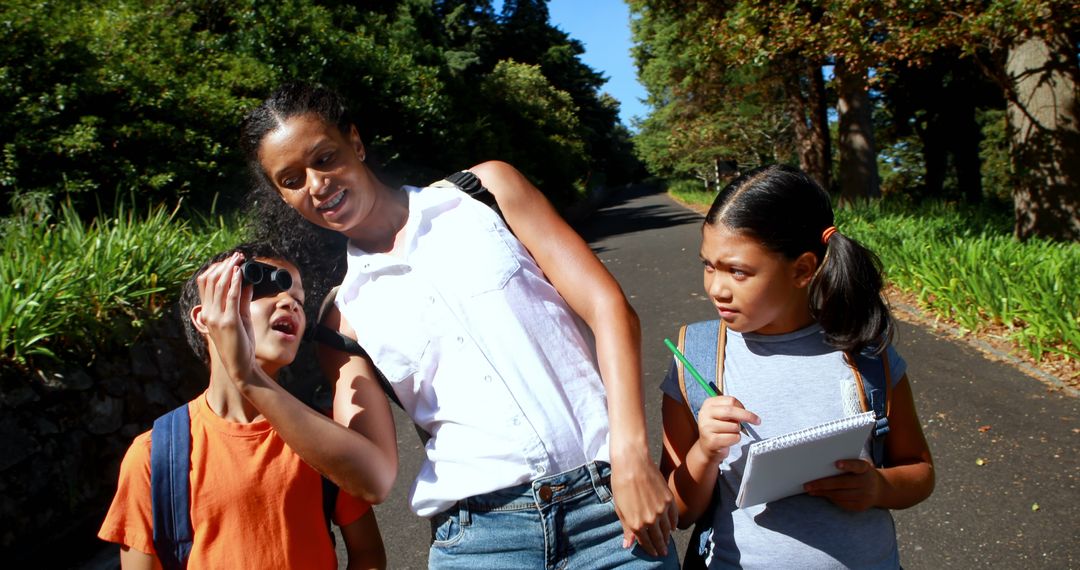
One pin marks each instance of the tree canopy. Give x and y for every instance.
(112, 97)
(694, 60)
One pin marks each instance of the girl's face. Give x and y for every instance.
(319, 171)
(755, 289)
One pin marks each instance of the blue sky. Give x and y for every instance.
(603, 27)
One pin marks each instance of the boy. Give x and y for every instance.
(254, 502)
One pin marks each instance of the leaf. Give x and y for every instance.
(1034, 506)
(984, 429)
(980, 461)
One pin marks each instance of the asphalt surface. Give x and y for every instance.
(1005, 445)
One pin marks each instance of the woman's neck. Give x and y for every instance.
(386, 227)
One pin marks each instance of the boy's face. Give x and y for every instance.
(277, 321)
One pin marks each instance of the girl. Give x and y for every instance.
(477, 330)
(794, 295)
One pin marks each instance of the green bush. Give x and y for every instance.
(70, 286)
(964, 264)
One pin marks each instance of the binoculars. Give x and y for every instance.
(265, 278)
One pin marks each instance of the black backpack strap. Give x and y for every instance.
(329, 503)
(170, 488)
(470, 184)
(334, 339)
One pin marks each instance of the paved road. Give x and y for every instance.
(978, 515)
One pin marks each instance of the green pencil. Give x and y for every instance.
(690, 367)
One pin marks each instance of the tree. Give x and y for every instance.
(710, 117)
(1044, 117)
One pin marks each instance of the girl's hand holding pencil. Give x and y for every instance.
(721, 417)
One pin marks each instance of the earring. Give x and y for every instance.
(362, 156)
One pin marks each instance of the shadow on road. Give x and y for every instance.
(620, 215)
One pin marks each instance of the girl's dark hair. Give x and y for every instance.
(319, 252)
(787, 211)
(189, 293)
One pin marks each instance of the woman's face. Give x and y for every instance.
(319, 171)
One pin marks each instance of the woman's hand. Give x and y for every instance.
(643, 502)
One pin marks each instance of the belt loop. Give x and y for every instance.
(603, 492)
(463, 512)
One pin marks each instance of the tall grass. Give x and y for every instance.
(67, 286)
(965, 265)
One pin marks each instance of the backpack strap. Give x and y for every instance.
(470, 184)
(329, 337)
(703, 345)
(873, 381)
(170, 488)
(680, 372)
(329, 503)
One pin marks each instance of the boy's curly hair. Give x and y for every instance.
(189, 294)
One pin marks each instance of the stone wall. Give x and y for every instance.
(63, 433)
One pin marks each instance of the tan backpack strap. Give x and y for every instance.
(682, 374)
(850, 360)
(863, 401)
(721, 342)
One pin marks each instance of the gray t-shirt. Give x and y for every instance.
(791, 381)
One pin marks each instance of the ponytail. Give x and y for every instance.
(789, 213)
(845, 297)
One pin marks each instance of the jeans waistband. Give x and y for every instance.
(593, 477)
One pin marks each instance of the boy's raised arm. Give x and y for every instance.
(350, 459)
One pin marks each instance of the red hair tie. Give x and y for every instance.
(825, 235)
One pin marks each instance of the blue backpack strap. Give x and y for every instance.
(170, 487)
(874, 382)
(703, 345)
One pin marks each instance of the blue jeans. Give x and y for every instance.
(561, 521)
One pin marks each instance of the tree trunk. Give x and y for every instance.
(858, 157)
(819, 126)
(1045, 138)
(806, 100)
(965, 151)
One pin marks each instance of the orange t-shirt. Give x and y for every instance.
(254, 502)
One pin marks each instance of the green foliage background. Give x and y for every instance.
(131, 108)
(146, 95)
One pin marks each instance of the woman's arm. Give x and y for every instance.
(643, 502)
(359, 401)
(908, 476)
(363, 543)
(131, 559)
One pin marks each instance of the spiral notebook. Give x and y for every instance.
(779, 466)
